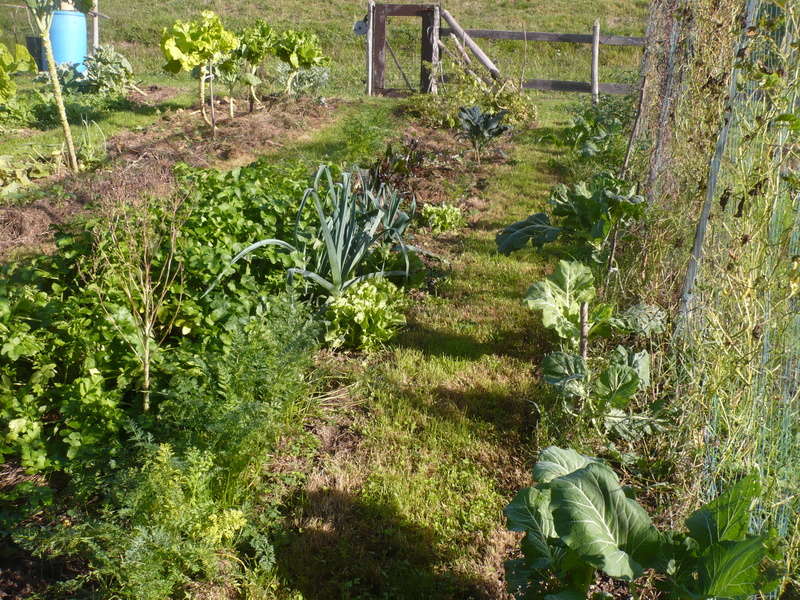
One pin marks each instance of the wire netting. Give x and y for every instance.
(720, 132)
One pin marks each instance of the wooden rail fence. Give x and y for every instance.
(464, 39)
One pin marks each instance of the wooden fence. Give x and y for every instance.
(464, 40)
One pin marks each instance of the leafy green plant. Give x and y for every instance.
(579, 519)
(256, 44)
(396, 166)
(304, 82)
(299, 50)
(107, 72)
(351, 225)
(198, 44)
(480, 128)
(560, 297)
(586, 216)
(604, 398)
(444, 218)
(365, 316)
(19, 62)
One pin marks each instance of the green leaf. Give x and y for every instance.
(536, 229)
(644, 319)
(560, 296)
(640, 362)
(726, 518)
(556, 462)
(726, 570)
(617, 385)
(567, 372)
(529, 512)
(595, 518)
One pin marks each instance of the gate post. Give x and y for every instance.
(378, 37)
(430, 51)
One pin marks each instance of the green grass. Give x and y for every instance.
(446, 421)
(135, 29)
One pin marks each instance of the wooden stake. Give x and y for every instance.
(596, 62)
(96, 26)
(584, 330)
(430, 50)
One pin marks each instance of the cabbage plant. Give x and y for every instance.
(299, 50)
(578, 519)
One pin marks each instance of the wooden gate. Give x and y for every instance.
(464, 39)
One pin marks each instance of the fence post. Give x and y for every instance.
(596, 62)
(378, 50)
(430, 50)
(370, 19)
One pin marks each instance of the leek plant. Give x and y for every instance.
(354, 222)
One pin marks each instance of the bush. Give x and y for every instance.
(444, 218)
(366, 316)
(441, 110)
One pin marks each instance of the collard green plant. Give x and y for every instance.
(481, 128)
(586, 217)
(578, 519)
(610, 390)
(559, 298)
(198, 44)
(365, 316)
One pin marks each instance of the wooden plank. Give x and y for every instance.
(539, 36)
(408, 10)
(430, 51)
(596, 62)
(379, 49)
(554, 85)
(459, 32)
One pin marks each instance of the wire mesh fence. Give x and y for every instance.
(721, 129)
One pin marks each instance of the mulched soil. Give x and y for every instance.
(141, 163)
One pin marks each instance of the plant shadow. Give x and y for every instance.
(344, 546)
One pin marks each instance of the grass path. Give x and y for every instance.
(437, 433)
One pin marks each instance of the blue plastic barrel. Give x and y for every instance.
(69, 38)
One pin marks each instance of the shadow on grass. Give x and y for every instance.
(347, 547)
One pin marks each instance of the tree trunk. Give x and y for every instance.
(62, 111)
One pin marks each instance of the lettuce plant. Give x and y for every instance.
(299, 50)
(578, 519)
(20, 61)
(366, 316)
